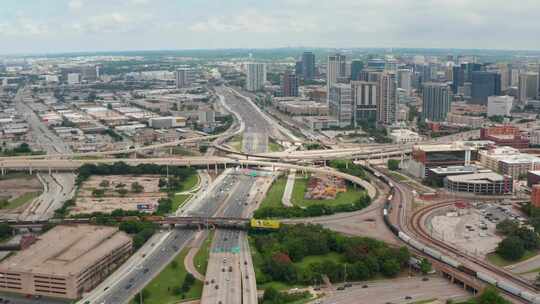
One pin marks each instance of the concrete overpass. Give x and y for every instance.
(52, 165)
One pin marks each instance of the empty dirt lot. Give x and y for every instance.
(111, 199)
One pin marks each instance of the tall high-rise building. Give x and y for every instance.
(336, 69)
(298, 68)
(404, 80)
(469, 69)
(356, 67)
(340, 104)
(376, 64)
(289, 84)
(484, 84)
(506, 75)
(308, 65)
(184, 77)
(387, 101)
(436, 101)
(458, 78)
(256, 76)
(364, 96)
(528, 86)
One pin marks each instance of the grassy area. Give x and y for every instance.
(190, 182)
(183, 151)
(332, 256)
(21, 200)
(179, 200)
(236, 142)
(273, 146)
(398, 176)
(201, 258)
(496, 259)
(275, 193)
(300, 186)
(161, 288)
(13, 175)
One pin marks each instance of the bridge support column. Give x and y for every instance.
(3, 171)
(207, 167)
(225, 165)
(171, 151)
(30, 170)
(215, 168)
(50, 171)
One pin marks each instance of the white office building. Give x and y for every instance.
(387, 100)
(340, 104)
(404, 136)
(499, 105)
(335, 69)
(256, 76)
(404, 79)
(74, 78)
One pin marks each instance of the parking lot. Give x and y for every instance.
(472, 229)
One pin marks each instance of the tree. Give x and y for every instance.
(122, 192)
(393, 164)
(511, 248)
(270, 294)
(425, 266)
(5, 231)
(98, 192)
(104, 183)
(136, 187)
(390, 268)
(507, 227)
(491, 296)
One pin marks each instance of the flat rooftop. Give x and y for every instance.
(66, 250)
(458, 169)
(479, 178)
(442, 147)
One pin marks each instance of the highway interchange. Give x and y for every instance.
(230, 266)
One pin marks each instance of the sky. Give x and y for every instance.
(53, 26)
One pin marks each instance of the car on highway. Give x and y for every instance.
(408, 298)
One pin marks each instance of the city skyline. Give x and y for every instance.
(122, 25)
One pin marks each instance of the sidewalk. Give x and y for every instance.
(287, 193)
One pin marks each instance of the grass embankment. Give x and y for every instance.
(496, 259)
(19, 201)
(273, 146)
(161, 289)
(178, 200)
(275, 193)
(201, 258)
(236, 142)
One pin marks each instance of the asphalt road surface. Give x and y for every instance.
(398, 291)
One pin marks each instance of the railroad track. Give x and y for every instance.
(418, 228)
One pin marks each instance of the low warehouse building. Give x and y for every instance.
(66, 261)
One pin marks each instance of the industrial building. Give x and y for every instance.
(480, 183)
(506, 135)
(167, 122)
(66, 261)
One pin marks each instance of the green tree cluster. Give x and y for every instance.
(363, 258)
(312, 210)
(517, 241)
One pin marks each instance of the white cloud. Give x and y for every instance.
(252, 21)
(75, 4)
